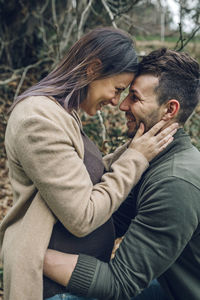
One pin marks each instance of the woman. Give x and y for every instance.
(56, 172)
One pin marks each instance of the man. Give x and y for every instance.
(162, 213)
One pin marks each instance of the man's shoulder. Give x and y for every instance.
(183, 165)
(186, 165)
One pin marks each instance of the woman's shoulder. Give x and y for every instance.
(44, 110)
(38, 104)
(41, 107)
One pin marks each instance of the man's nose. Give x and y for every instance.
(124, 106)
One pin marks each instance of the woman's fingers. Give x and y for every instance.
(140, 131)
(151, 143)
(169, 130)
(164, 139)
(156, 128)
(165, 143)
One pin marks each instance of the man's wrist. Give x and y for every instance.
(82, 275)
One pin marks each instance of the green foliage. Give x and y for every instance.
(192, 127)
(114, 122)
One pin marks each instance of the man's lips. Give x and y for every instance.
(130, 117)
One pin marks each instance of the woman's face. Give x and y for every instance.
(105, 91)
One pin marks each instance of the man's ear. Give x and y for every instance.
(171, 110)
(94, 67)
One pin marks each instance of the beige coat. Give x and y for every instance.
(49, 179)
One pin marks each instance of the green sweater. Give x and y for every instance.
(163, 239)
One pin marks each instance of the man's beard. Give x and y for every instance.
(132, 133)
(148, 124)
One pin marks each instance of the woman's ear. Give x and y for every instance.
(172, 108)
(94, 67)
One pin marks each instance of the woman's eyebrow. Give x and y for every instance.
(121, 87)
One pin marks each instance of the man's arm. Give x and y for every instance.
(125, 213)
(154, 240)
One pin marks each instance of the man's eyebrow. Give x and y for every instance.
(132, 90)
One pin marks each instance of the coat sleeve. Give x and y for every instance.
(110, 158)
(49, 151)
(155, 239)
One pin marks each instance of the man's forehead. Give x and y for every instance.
(143, 82)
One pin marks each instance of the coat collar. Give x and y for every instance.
(74, 113)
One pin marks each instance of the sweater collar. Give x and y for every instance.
(181, 142)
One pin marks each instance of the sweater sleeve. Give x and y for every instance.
(165, 222)
(47, 143)
(123, 216)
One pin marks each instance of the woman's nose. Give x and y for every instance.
(115, 100)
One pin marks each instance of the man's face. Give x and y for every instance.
(141, 104)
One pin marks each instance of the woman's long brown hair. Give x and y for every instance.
(68, 82)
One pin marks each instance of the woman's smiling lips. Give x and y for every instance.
(103, 103)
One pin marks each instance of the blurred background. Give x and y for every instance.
(34, 36)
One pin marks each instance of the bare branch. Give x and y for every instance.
(67, 37)
(56, 27)
(191, 37)
(121, 7)
(84, 18)
(42, 10)
(21, 82)
(68, 21)
(129, 21)
(42, 29)
(183, 40)
(54, 12)
(109, 13)
(12, 78)
(103, 132)
(1, 46)
(26, 69)
(94, 12)
(66, 13)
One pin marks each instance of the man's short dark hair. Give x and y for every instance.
(178, 76)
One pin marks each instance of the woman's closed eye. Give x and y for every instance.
(118, 91)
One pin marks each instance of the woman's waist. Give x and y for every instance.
(99, 243)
